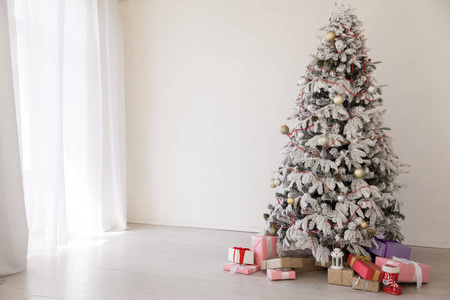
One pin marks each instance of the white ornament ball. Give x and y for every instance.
(338, 99)
(372, 89)
(302, 81)
(300, 134)
(324, 141)
(341, 198)
(272, 183)
(358, 173)
(330, 35)
(284, 129)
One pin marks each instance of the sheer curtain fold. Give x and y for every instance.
(13, 223)
(70, 91)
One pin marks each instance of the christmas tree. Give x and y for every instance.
(337, 182)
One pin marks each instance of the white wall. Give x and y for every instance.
(209, 83)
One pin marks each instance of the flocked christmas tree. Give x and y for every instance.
(337, 182)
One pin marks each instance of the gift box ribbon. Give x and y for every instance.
(366, 283)
(241, 254)
(366, 260)
(418, 271)
(385, 241)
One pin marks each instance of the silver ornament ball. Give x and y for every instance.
(341, 198)
(302, 81)
(272, 183)
(372, 89)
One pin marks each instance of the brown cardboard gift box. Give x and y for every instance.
(309, 264)
(340, 276)
(281, 263)
(359, 283)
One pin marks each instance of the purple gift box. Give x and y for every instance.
(387, 248)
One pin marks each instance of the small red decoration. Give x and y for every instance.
(390, 279)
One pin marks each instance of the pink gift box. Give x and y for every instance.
(265, 247)
(242, 269)
(275, 274)
(407, 270)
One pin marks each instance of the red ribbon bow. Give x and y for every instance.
(241, 254)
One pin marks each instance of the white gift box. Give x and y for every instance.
(241, 255)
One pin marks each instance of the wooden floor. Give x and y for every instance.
(158, 262)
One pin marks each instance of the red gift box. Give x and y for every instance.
(365, 268)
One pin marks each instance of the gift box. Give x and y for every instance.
(280, 274)
(242, 269)
(284, 262)
(309, 265)
(241, 255)
(387, 248)
(364, 267)
(264, 247)
(359, 283)
(340, 276)
(410, 271)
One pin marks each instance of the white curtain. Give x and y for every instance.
(68, 66)
(13, 224)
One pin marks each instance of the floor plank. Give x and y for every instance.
(161, 262)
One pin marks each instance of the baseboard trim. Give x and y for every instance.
(428, 244)
(257, 230)
(201, 226)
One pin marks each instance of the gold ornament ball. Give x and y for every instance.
(330, 35)
(272, 183)
(272, 231)
(284, 129)
(364, 225)
(324, 141)
(358, 173)
(290, 200)
(338, 99)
